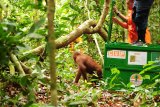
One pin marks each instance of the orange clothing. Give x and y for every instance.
(148, 36)
(132, 33)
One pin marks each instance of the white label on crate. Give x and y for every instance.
(120, 54)
(137, 58)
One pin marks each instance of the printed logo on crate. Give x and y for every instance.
(136, 79)
(120, 54)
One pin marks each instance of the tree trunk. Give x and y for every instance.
(52, 49)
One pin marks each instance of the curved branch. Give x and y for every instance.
(15, 60)
(103, 34)
(88, 27)
(103, 16)
(26, 69)
(84, 28)
(36, 51)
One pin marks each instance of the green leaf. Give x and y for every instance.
(65, 18)
(148, 69)
(37, 25)
(10, 26)
(76, 8)
(24, 81)
(115, 71)
(147, 77)
(81, 102)
(35, 36)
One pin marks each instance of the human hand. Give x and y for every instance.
(114, 19)
(115, 9)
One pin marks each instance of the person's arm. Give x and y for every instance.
(119, 14)
(122, 24)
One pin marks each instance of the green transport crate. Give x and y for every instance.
(129, 60)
